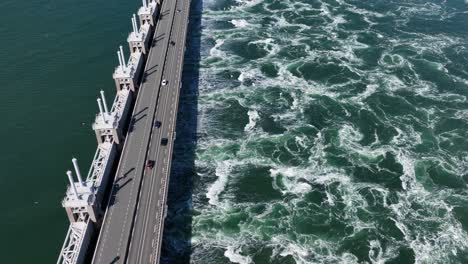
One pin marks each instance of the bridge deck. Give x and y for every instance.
(132, 226)
(149, 223)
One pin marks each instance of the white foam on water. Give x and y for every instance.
(299, 252)
(378, 255)
(302, 141)
(281, 22)
(215, 51)
(249, 74)
(408, 137)
(305, 89)
(349, 138)
(336, 20)
(330, 198)
(247, 3)
(234, 255)
(370, 90)
(293, 182)
(253, 118)
(346, 54)
(421, 10)
(222, 172)
(423, 43)
(392, 61)
(449, 238)
(360, 11)
(269, 45)
(429, 245)
(240, 23)
(290, 179)
(311, 250)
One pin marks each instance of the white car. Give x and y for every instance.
(164, 82)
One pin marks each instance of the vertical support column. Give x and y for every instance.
(100, 110)
(77, 171)
(134, 25)
(116, 135)
(123, 57)
(91, 212)
(120, 59)
(104, 101)
(72, 184)
(71, 216)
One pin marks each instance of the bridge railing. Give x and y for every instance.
(77, 239)
(99, 163)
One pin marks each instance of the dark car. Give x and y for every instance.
(149, 164)
(164, 141)
(157, 124)
(172, 42)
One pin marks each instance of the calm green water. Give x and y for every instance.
(316, 131)
(55, 56)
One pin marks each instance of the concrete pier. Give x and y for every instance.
(148, 12)
(139, 39)
(127, 74)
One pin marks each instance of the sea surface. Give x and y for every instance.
(309, 131)
(329, 131)
(55, 57)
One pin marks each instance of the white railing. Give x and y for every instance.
(120, 102)
(99, 163)
(78, 233)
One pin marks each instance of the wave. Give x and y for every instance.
(351, 118)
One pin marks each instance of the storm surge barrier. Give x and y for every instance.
(85, 198)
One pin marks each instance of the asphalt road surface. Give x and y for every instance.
(148, 229)
(133, 223)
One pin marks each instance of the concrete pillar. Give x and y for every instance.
(71, 216)
(72, 184)
(104, 102)
(77, 171)
(92, 213)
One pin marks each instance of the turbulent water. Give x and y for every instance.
(329, 131)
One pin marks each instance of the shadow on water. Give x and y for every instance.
(176, 247)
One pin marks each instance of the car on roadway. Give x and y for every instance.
(164, 141)
(149, 164)
(164, 82)
(172, 42)
(157, 124)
